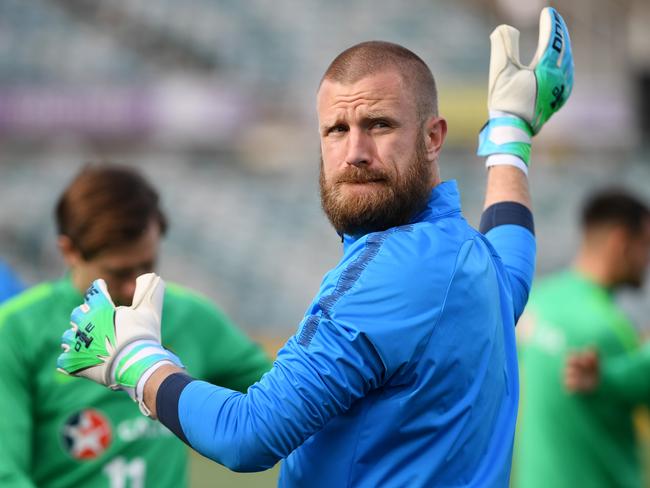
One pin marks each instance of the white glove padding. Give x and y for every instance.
(534, 92)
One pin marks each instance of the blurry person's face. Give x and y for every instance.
(377, 164)
(119, 266)
(637, 257)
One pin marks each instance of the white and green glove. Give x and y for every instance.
(118, 347)
(522, 98)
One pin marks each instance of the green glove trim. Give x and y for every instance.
(506, 135)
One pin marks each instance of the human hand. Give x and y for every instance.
(118, 347)
(582, 372)
(521, 99)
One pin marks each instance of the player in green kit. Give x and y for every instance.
(61, 431)
(565, 439)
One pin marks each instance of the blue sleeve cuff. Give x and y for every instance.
(167, 400)
(506, 213)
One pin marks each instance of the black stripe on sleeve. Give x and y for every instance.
(504, 213)
(169, 393)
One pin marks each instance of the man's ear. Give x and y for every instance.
(71, 255)
(435, 132)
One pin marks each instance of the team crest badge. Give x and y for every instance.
(86, 434)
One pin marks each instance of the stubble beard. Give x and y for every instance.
(635, 279)
(393, 200)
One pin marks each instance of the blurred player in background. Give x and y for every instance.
(10, 284)
(403, 371)
(567, 440)
(59, 431)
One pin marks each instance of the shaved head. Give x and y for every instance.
(372, 57)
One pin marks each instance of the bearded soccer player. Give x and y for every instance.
(60, 431)
(403, 371)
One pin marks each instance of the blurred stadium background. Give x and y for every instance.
(214, 101)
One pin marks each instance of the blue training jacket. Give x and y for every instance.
(403, 372)
(10, 284)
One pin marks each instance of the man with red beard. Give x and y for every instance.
(403, 371)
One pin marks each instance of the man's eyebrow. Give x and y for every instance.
(127, 269)
(332, 123)
(118, 269)
(368, 116)
(375, 115)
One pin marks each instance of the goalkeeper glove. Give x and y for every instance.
(118, 347)
(522, 98)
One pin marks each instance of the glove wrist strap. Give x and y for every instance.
(135, 364)
(506, 160)
(506, 140)
(139, 389)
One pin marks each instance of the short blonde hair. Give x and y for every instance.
(371, 57)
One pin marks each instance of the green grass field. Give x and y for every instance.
(208, 474)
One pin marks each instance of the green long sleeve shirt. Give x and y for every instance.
(564, 439)
(59, 431)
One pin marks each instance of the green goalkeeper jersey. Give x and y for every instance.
(61, 431)
(569, 440)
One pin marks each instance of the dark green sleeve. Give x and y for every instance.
(241, 361)
(219, 351)
(15, 404)
(627, 376)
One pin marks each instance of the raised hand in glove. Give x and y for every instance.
(522, 98)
